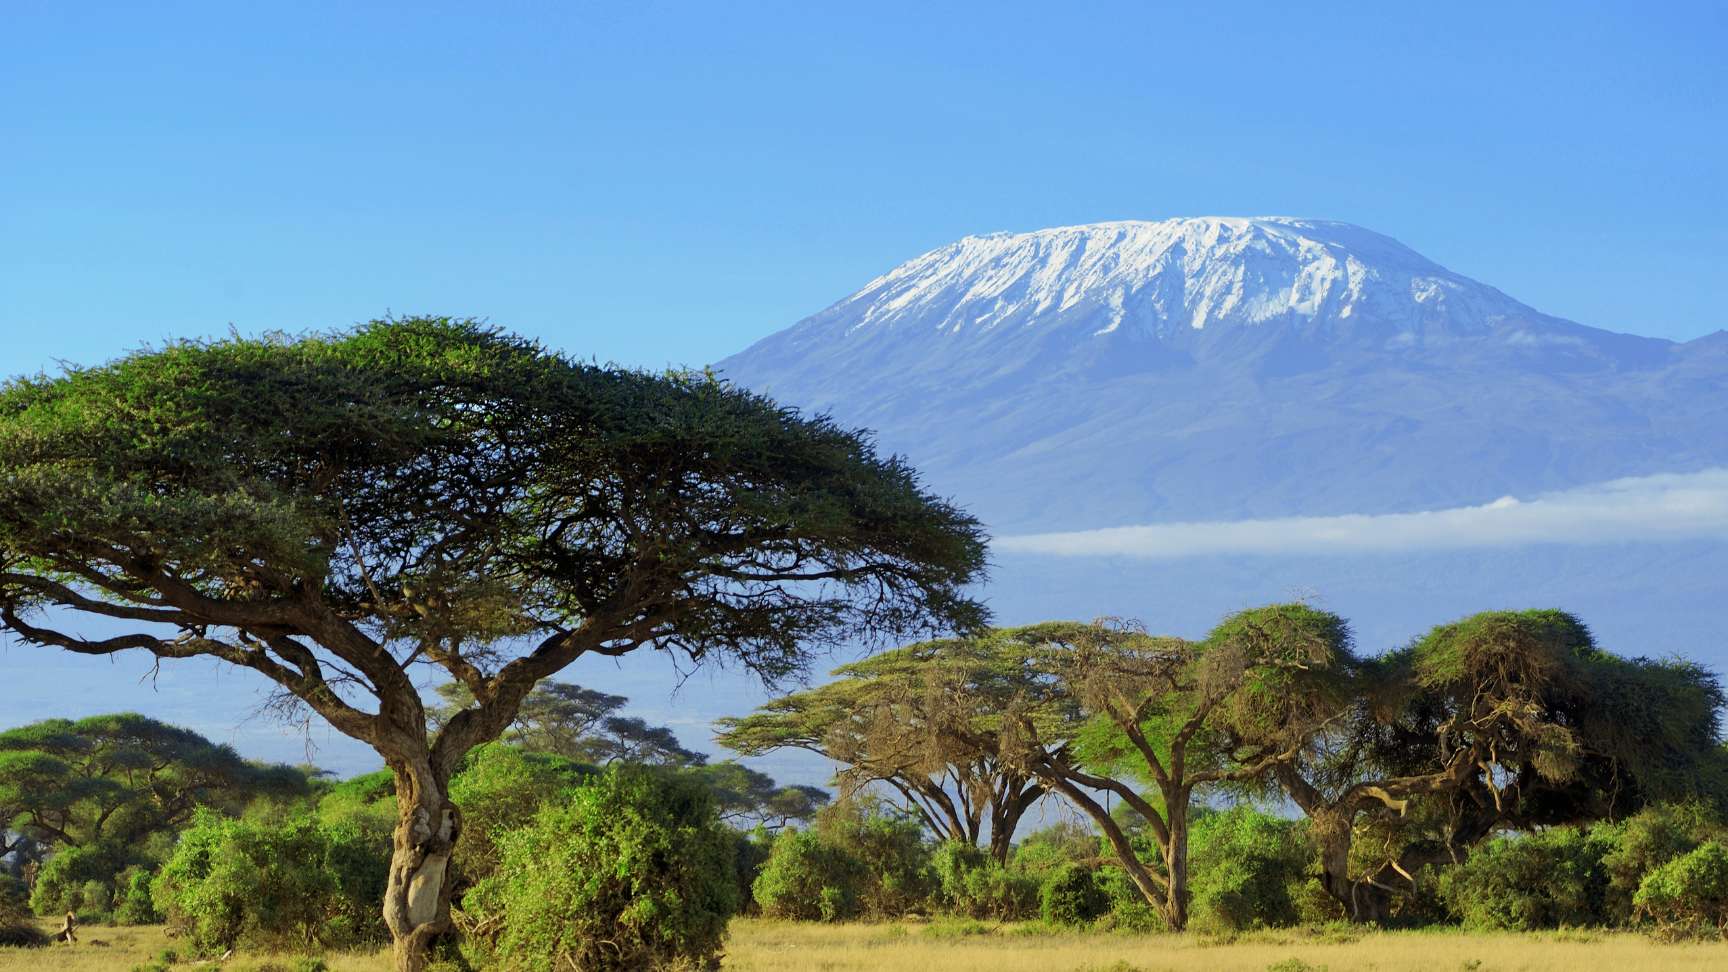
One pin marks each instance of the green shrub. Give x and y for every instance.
(132, 901)
(1045, 851)
(898, 877)
(1646, 841)
(750, 855)
(635, 871)
(1129, 910)
(498, 789)
(1249, 870)
(1689, 894)
(80, 880)
(808, 879)
(1530, 881)
(996, 893)
(291, 884)
(971, 884)
(1071, 896)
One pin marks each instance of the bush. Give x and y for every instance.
(80, 880)
(132, 902)
(634, 872)
(1689, 894)
(898, 878)
(1646, 841)
(284, 885)
(808, 879)
(1046, 851)
(1072, 896)
(971, 884)
(750, 856)
(498, 789)
(1249, 870)
(1531, 881)
(996, 893)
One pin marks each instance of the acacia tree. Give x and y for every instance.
(876, 722)
(1105, 708)
(332, 511)
(749, 798)
(119, 778)
(580, 724)
(1502, 720)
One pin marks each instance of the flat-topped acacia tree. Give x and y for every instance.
(332, 511)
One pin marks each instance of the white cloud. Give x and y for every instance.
(1646, 508)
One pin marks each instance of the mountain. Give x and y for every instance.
(1221, 368)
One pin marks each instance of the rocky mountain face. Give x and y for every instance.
(1221, 368)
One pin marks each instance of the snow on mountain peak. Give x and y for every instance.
(1172, 275)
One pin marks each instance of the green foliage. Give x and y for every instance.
(1525, 882)
(1045, 851)
(751, 855)
(747, 797)
(284, 885)
(133, 904)
(1646, 841)
(973, 885)
(1072, 896)
(501, 788)
(807, 878)
(80, 880)
(122, 779)
(890, 846)
(1689, 894)
(579, 724)
(1250, 870)
(634, 871)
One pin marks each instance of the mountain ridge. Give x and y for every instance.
(1216, 367)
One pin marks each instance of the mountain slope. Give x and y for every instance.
(1214, 368)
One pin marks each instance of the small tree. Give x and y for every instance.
(579, 724)
(331, 512)
(881, 733)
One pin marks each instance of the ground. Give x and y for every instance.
(761, 946)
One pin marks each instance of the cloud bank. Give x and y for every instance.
(1646, 508)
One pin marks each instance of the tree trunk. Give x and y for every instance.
(1363, 902)
(1176, 860)
(417, 895)
(1001, 841)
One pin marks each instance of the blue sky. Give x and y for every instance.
(663, 182)
(654, 182)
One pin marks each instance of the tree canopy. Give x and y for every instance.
(121, 778)
(875, 720)
(331, 511)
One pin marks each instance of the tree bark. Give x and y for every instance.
(1176, 858)
(417, 892)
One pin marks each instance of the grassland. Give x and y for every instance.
(759, 946)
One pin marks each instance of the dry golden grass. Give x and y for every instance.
(121, 948)
(762, 946)
(759, 946)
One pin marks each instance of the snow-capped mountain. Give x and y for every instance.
(1174, 276)
(1210, 368)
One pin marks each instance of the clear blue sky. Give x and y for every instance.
(656, 182)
